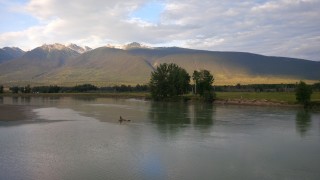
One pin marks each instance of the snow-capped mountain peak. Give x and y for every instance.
(79, 49)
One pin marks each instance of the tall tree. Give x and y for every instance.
(168, 80)
(27, 89)
(303, 93)
(203, 80)
(203, 84)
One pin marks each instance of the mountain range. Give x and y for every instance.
(133, 63)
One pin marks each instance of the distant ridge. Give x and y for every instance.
(133, 64)
(9, 53)
(36, 63)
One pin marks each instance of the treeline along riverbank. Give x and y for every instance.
(259, 94)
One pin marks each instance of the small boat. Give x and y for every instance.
(122, 119)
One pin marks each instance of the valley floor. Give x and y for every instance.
(287, 99)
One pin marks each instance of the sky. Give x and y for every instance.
(289, 28)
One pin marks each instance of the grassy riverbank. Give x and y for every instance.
(285, 97)
(265, 99)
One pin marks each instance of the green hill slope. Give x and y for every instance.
(237, 67)
(103, 66)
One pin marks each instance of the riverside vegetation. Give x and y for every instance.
(169, 81)
(124, 91)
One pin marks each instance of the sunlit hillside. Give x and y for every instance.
(58, 64)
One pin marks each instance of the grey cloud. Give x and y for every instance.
(280, 28)
(275, 27)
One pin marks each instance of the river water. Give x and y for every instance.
(81, 138)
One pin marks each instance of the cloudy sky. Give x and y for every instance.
(271, 27)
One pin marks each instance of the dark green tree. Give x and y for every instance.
(316, 86)
(84, 88)
(27, 89)
(1, 89)
(303, 93)
(203, 80)
(14, 89)
(21, 89)
(168, 80)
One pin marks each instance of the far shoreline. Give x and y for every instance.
(94, 95)
(223, 98)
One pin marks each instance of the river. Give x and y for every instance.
(81, 138)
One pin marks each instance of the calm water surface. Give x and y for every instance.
(72, 138)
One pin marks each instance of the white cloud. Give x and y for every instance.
(275, 27)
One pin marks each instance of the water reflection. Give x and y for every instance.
(19, 100)
(53, 98)
(53, 113)
(85, 98)
(303, 122)
(203, 115)
(50, 100)
(172, 117)
(66, 140)
(169, 113)
(15, 100)
(1, 100)
(25, 100)
(169, 117)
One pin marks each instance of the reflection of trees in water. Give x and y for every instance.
(15, 100)
(21, 100)
(171, 116)
(1, 100)
(25, 100)
(169, 113)
(303, 122)
(202, 115)
(52, 100)
(84, 98)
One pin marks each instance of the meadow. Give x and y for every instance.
(286, 97)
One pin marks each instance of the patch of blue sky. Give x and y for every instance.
(261, 1)
(12, 19)
(150, 12)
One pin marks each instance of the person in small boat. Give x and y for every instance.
(122, 119)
